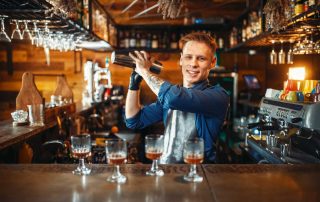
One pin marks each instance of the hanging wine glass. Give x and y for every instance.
(3, 35)
(290, 54)
(282, 55)
(273, 55)
(35, 34)
(26, 34)
(16, 33)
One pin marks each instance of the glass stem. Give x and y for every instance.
(81, 164)
(193, 169)
(116, 171)
(154, 166)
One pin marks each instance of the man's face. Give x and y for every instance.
(196, 61)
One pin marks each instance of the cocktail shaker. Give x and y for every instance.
(127, 61)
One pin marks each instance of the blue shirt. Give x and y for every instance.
(209, 103)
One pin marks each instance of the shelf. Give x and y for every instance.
(40, 11)
(127, 50)
(299, 27)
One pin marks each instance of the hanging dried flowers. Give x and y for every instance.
(63, 8)
(278, 14)
(170, 8)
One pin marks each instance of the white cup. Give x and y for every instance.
(272, 93)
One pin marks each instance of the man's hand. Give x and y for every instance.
(135, 80)
(143, 62)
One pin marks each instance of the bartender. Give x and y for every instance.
(194, 109)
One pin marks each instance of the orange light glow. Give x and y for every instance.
(297, 73)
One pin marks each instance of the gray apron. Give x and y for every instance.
(180, 126)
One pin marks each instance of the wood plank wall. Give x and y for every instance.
(30, 58)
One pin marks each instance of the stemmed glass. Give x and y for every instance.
(116, 152)
(273, 55)
(16, 33)
(3, 35)
(290, 54)
(193, 154)
(26, 34)
(282, 55)
(36, 34)
(81, 148)
(154, 149)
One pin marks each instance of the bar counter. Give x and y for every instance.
(55, 182)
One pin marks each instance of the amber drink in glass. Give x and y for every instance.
(193, 152)
(81, 149)
(116, 152)
(154, 149)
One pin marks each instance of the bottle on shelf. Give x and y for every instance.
(244, 31)
(138, 40)
(149, 41)
(121, 39)
(132, 40)
(233, 37)
(126, 39)
(155, 43)
(174, 41)
(143, 41)
(164, 41)
(298, 7)
(85, 17)
(311, 3)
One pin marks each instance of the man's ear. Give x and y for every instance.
(213, 62)
(180, 62)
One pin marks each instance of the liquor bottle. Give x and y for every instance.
(311, 3)
(164, 41)
(299, 7)
(306, 6)
(244, 31)
(149, 41)
(126, 39)
(233, 37)
(121, 40)
(143, 41)
(155, 43)
(138, 40)
(79, 11)
(85, 17)
(133, 41)
(173, 42)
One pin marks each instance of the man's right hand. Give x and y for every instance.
(135, 80)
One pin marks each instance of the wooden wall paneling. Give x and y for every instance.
(9, 59)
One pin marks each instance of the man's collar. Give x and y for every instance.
(200, 85)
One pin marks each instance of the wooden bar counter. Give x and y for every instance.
(53, 182)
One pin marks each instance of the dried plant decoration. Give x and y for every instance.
(63, 8)
(278, 14)
(170, 8)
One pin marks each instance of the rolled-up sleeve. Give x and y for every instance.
(146, 116)
(210, 101)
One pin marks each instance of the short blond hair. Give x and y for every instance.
(199, 37)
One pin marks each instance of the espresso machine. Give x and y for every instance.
(291, 131)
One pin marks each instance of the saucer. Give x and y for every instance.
(15, 123)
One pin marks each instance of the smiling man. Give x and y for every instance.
(194, 109)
